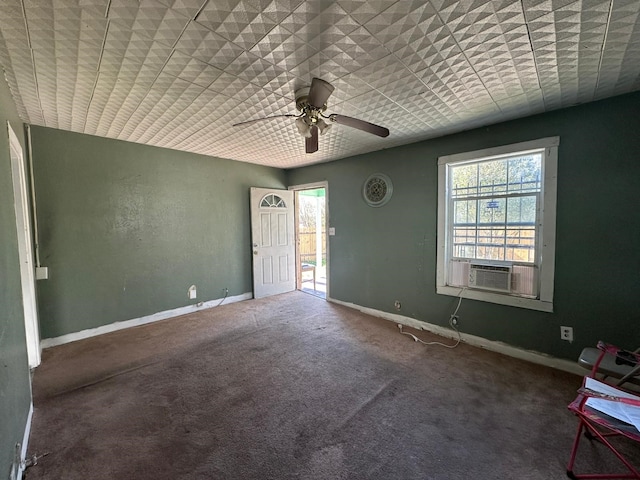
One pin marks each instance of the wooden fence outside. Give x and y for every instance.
(307, 246)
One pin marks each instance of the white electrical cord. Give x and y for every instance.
(453, 326)
(226, 292)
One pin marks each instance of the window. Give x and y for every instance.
(496, 224)
(272, 201)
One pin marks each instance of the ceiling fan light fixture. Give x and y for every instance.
(303, 128)
(311, 102)
(323, 126)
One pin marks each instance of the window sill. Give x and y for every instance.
(498, 298)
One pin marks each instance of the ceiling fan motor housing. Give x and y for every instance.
(310, 112)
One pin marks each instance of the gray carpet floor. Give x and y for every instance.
(293, 387)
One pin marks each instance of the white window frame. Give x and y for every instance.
(546, 228)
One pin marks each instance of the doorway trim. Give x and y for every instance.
(310, 186)
(25, 249)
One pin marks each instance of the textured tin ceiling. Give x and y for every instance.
(179, 73)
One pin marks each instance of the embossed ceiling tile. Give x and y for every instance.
(364, 10)
(503, 86)
(621, 53)
(229, 18)
(276, 39)
(175, 101)
(214, 13)
(12, 25)
(188, 8)
(285, 84)
(40, 23)
(366, 106)
(402, 23)
(253, 69)
(532, 100)
(346, 88)
(278, 10)
(283, 49)
(568, 22)
(319, 65)
(385, 76)
(215, 109)
(208, 46)
(162, 24)
(402, 87)
(99, 110)
(418, 57)
(505, 68)
(24, 85)
(312, 20)
(135, 98)
(369, 71)
(454, 13)
(234, 87)
(543, 31)
(88, 23)
(293, 54)
(120, 39)
(235, 23)
(373, 48)
(274, 104)
(190, 69)
(261, 108)
(254, 31)
(193, 37)
(348, 54)
(72, 55)
(537, 8)
(122, 43)
(123, 12)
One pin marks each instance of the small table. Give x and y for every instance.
(307, 267)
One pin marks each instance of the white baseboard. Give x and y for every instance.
(112, 327)
(499, 347)
(25, 443)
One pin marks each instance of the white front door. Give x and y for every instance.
(273, 247)
(25, 253)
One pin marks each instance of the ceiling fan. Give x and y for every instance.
(312, 103)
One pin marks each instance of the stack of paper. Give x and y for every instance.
(622, 411)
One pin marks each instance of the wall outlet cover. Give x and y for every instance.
(566, 333)
(42, 273)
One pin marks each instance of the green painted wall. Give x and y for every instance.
(15, 382)
(382, 254)
(125, 229)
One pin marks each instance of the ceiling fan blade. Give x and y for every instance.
(249, 122)
(311, 143)
(360, 125)
(319, 93)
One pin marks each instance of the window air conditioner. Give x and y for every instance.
(490, 277)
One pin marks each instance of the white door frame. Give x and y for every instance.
(310, 186)
(278, 244)
(25, 250)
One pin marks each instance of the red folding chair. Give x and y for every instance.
(620, 407)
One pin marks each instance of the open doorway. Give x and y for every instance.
(311, 239)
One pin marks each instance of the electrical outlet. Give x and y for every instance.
(192, 292)
(454, 320)
(566, 333)
(398, 305)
